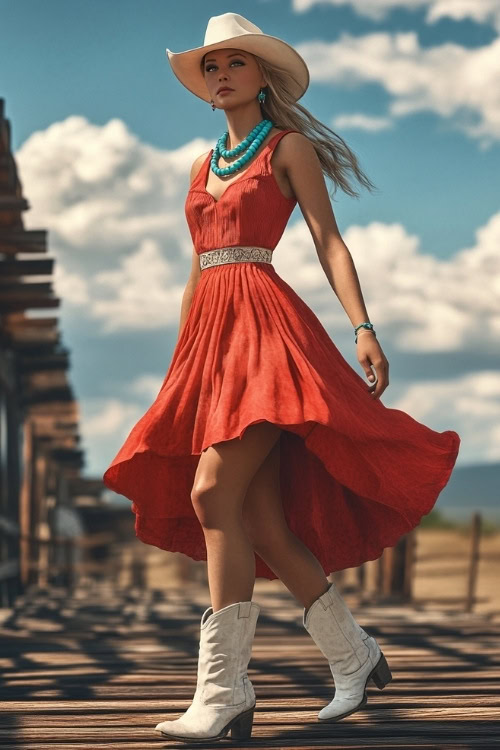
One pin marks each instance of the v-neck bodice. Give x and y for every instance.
(252, 210)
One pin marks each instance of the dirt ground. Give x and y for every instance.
(443, 564)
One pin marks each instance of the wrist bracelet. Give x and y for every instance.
(368, 326)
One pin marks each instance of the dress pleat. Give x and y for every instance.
(355, 475)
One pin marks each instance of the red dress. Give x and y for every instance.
(355, 475)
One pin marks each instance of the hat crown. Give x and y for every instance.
(228, 25)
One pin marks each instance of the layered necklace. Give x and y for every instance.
(252, 142)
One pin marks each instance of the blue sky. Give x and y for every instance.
(104, 136)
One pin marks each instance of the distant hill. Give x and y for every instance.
(472, 488)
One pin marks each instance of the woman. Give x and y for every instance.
(264, 452)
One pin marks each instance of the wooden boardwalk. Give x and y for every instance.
(99, 669)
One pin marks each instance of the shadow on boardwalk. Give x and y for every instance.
(99, 670)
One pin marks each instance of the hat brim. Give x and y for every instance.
(186, 65)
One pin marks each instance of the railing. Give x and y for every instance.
(403, 559)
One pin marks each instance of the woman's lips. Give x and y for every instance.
(225, 91)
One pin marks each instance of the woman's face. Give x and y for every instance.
(233, 68)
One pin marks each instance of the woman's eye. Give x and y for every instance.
(209, 67)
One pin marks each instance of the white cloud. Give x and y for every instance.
(451, 80)
(141, 294)
(103, 418)
(361, 121)
(146, 386)
(481, 11)
(114, 210)
(100, 188)
(471, 402)
(107, 422)
(72, 288)
(420, 302)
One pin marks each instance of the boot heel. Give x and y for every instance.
(241, 729)
(382, 674)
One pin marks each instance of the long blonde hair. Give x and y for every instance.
(335, 156)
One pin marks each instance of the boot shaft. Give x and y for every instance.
(225, 650)
(332, 626)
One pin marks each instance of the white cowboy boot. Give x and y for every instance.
(224, 698)
(353, 655)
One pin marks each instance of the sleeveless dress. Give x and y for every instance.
(355, 475)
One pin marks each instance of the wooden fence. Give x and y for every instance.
(390, 579)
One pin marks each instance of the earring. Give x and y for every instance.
(262, 96)
(213, 105)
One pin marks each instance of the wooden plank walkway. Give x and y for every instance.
(101, 668)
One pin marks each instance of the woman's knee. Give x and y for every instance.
(225, 471)
(208, 505)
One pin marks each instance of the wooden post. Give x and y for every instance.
(68, 558)
(387, 566)
(473, 563)
(361, 578)
(409, 570)
(25, 503)
(41, 529)
(338, 577)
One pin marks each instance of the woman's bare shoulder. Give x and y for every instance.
(196, 166)
(292, 146)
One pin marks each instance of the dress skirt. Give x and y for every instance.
(355, 475)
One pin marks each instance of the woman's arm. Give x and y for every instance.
(305, 175)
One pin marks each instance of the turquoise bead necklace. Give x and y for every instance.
(251, 142)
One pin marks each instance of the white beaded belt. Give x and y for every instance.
(235, 255)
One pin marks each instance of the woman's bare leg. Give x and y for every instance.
(271, 538)
(223, 475)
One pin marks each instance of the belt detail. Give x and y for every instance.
(235, 254)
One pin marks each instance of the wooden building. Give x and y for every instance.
(39, 440)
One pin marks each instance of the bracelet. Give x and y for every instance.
(368, 326)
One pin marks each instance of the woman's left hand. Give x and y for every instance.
(369, 353)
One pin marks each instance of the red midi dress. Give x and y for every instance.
(355, 475)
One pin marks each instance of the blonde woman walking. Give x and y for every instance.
(264, 452)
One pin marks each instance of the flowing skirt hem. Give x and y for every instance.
(344, 517)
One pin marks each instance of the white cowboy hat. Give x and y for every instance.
(232, 30)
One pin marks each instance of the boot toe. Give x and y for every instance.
(167, 727)
(179, 729)
(171, 727)
(337, 709)
(208, 723)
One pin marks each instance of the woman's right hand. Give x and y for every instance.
(369, 353)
